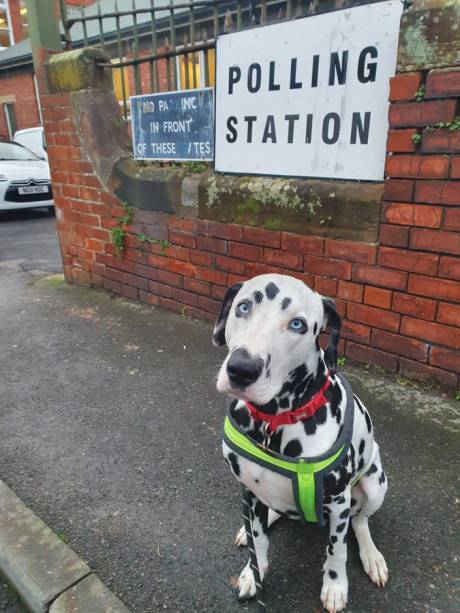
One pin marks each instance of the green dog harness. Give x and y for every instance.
(307, 474)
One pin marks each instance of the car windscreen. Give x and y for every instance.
(18, 153)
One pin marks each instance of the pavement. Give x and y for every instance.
(111, 428)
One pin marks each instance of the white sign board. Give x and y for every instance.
(308, 98)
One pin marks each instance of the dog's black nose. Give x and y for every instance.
(243, 369)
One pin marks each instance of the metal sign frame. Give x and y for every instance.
(183, 92)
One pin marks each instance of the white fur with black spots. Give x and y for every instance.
(271, 326)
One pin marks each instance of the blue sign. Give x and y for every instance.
(174, 126)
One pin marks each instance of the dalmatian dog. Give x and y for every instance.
(271, 326)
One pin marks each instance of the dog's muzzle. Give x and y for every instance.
(243, 369)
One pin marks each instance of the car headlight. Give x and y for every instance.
(3, 178)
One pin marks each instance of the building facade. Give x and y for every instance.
(18, 94)
(19, 106)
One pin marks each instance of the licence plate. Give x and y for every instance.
(34, 189)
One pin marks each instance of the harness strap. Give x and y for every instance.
(301, 471)
(365, 468)
(306, 482)
(306, 474)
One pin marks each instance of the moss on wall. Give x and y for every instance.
(430, 35)
(342, 209)
(78, 69)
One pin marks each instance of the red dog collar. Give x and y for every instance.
(292, 417)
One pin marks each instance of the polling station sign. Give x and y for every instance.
(174, 126)
(308, 98)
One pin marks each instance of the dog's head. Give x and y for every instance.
(271, 325)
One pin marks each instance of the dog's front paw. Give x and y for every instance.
(247, 583)
(374, 565)
(241, 539)
(334, 594)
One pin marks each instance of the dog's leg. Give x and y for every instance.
(241, 541)
(370, 490)
(246, 581)
(373, 561)
(334, 593)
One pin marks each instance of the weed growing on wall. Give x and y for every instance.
(452, 126)
(118, 239)
(118, 232)
(420, 93)
(128, 217)
(144, 238)
(191, 168)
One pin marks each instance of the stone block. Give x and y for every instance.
(89, 595)
(148, 185)
(190, 191)
(77, 69)
(341, 209)
(32, 558)
(429, 35)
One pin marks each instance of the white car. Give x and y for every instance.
(33, 139)
(25, 180)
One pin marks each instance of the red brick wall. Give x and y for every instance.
(400, 299)
(419, 234)
(26, 109)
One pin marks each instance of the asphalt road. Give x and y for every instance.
(28, 240)
(110, 431)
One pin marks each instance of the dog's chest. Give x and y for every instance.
(272, 488)
(311, 438)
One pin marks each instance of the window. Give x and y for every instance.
(212, 67)
(24, 22)
(118, 75)
(191, 71)
(10, 118)
(15, 152)
(6, 32)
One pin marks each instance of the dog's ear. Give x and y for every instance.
(332, 320)
(218, 335)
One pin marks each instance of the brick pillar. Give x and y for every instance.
(78, 106)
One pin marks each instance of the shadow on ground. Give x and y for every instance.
(111, 433)
(9, 602)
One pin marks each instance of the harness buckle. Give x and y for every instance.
(267, 435)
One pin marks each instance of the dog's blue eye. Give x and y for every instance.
(243, 308)
(297, 324)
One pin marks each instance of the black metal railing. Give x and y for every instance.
(164, 45)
